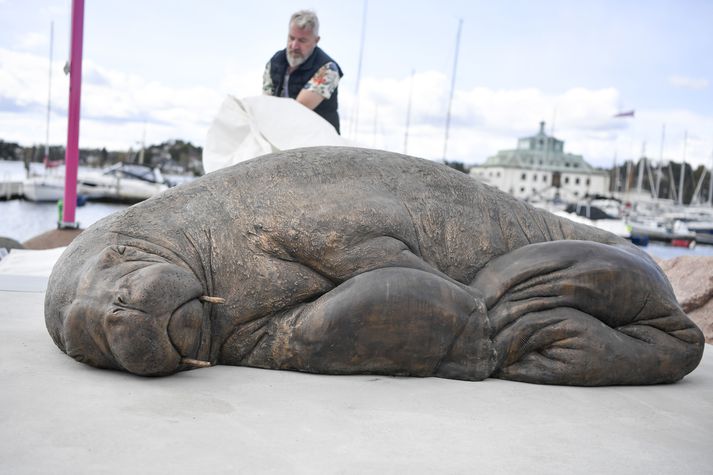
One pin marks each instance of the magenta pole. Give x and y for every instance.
(71, 158)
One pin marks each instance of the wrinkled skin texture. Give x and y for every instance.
(351, 261)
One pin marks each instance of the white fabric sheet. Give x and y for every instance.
(253, 126)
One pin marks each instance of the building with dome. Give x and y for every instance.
(539, 169)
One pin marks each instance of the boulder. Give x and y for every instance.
(692, 281)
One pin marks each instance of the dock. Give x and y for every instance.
(10, 189)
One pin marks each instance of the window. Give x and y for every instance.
(588, 182)
(576, 181)
(566, 180)
(523, 177)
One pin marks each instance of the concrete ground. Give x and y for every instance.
(59, 416)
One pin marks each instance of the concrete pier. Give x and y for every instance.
(59, 416)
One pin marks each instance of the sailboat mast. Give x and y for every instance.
(642, 165)
(355, 112)
(660, 167)
(682, 175)
(408, 112)
(710, 183)
(49, 96)
(453, 83)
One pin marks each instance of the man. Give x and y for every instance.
(303, 71)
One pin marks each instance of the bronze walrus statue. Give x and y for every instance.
(347, 261)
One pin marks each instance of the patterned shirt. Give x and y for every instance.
(324, 82)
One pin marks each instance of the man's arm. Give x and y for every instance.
(267, 87)
(320, 87)
(309, 99)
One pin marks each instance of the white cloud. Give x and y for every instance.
(118, 107)
(685, 82)
(32, 40)
(485, 120)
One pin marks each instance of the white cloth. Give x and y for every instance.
(253, 126)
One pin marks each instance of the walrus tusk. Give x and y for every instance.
(206, 298)
(196, 363)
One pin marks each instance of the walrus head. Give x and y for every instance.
(134, 311)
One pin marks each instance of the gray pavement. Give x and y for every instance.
(58, 416)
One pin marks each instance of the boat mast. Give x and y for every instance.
(642, 165)
(408, 111)
(453, 83)
(682, 175)
(355, 112)
(71, 158)
(49, 97)
(658, 174)
(710, 183)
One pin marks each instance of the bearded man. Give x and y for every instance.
(302, 71)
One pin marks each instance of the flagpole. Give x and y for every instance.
(75, 92)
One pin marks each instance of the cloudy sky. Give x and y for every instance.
(161, 68)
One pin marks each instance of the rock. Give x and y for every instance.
(692, 281)
(52, 239)
(9, 243)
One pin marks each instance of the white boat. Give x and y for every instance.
(672, 231)
(584, 213)
(120, 182)
(614, 226)
(43, 188)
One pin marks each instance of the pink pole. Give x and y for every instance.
(71, 157)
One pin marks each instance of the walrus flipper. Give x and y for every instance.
(583, 313)
(395, 321)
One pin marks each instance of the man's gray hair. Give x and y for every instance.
(306, 19)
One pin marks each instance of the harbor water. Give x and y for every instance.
(22, 220)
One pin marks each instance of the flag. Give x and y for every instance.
(625, 114)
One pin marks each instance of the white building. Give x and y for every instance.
(540, 169)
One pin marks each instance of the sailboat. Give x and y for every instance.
(48, 186)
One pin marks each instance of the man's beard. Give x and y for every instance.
(295, 60)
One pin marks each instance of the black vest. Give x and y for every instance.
(299, 77)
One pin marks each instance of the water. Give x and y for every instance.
(22, 220)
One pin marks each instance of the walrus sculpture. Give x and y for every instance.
(351, 261)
